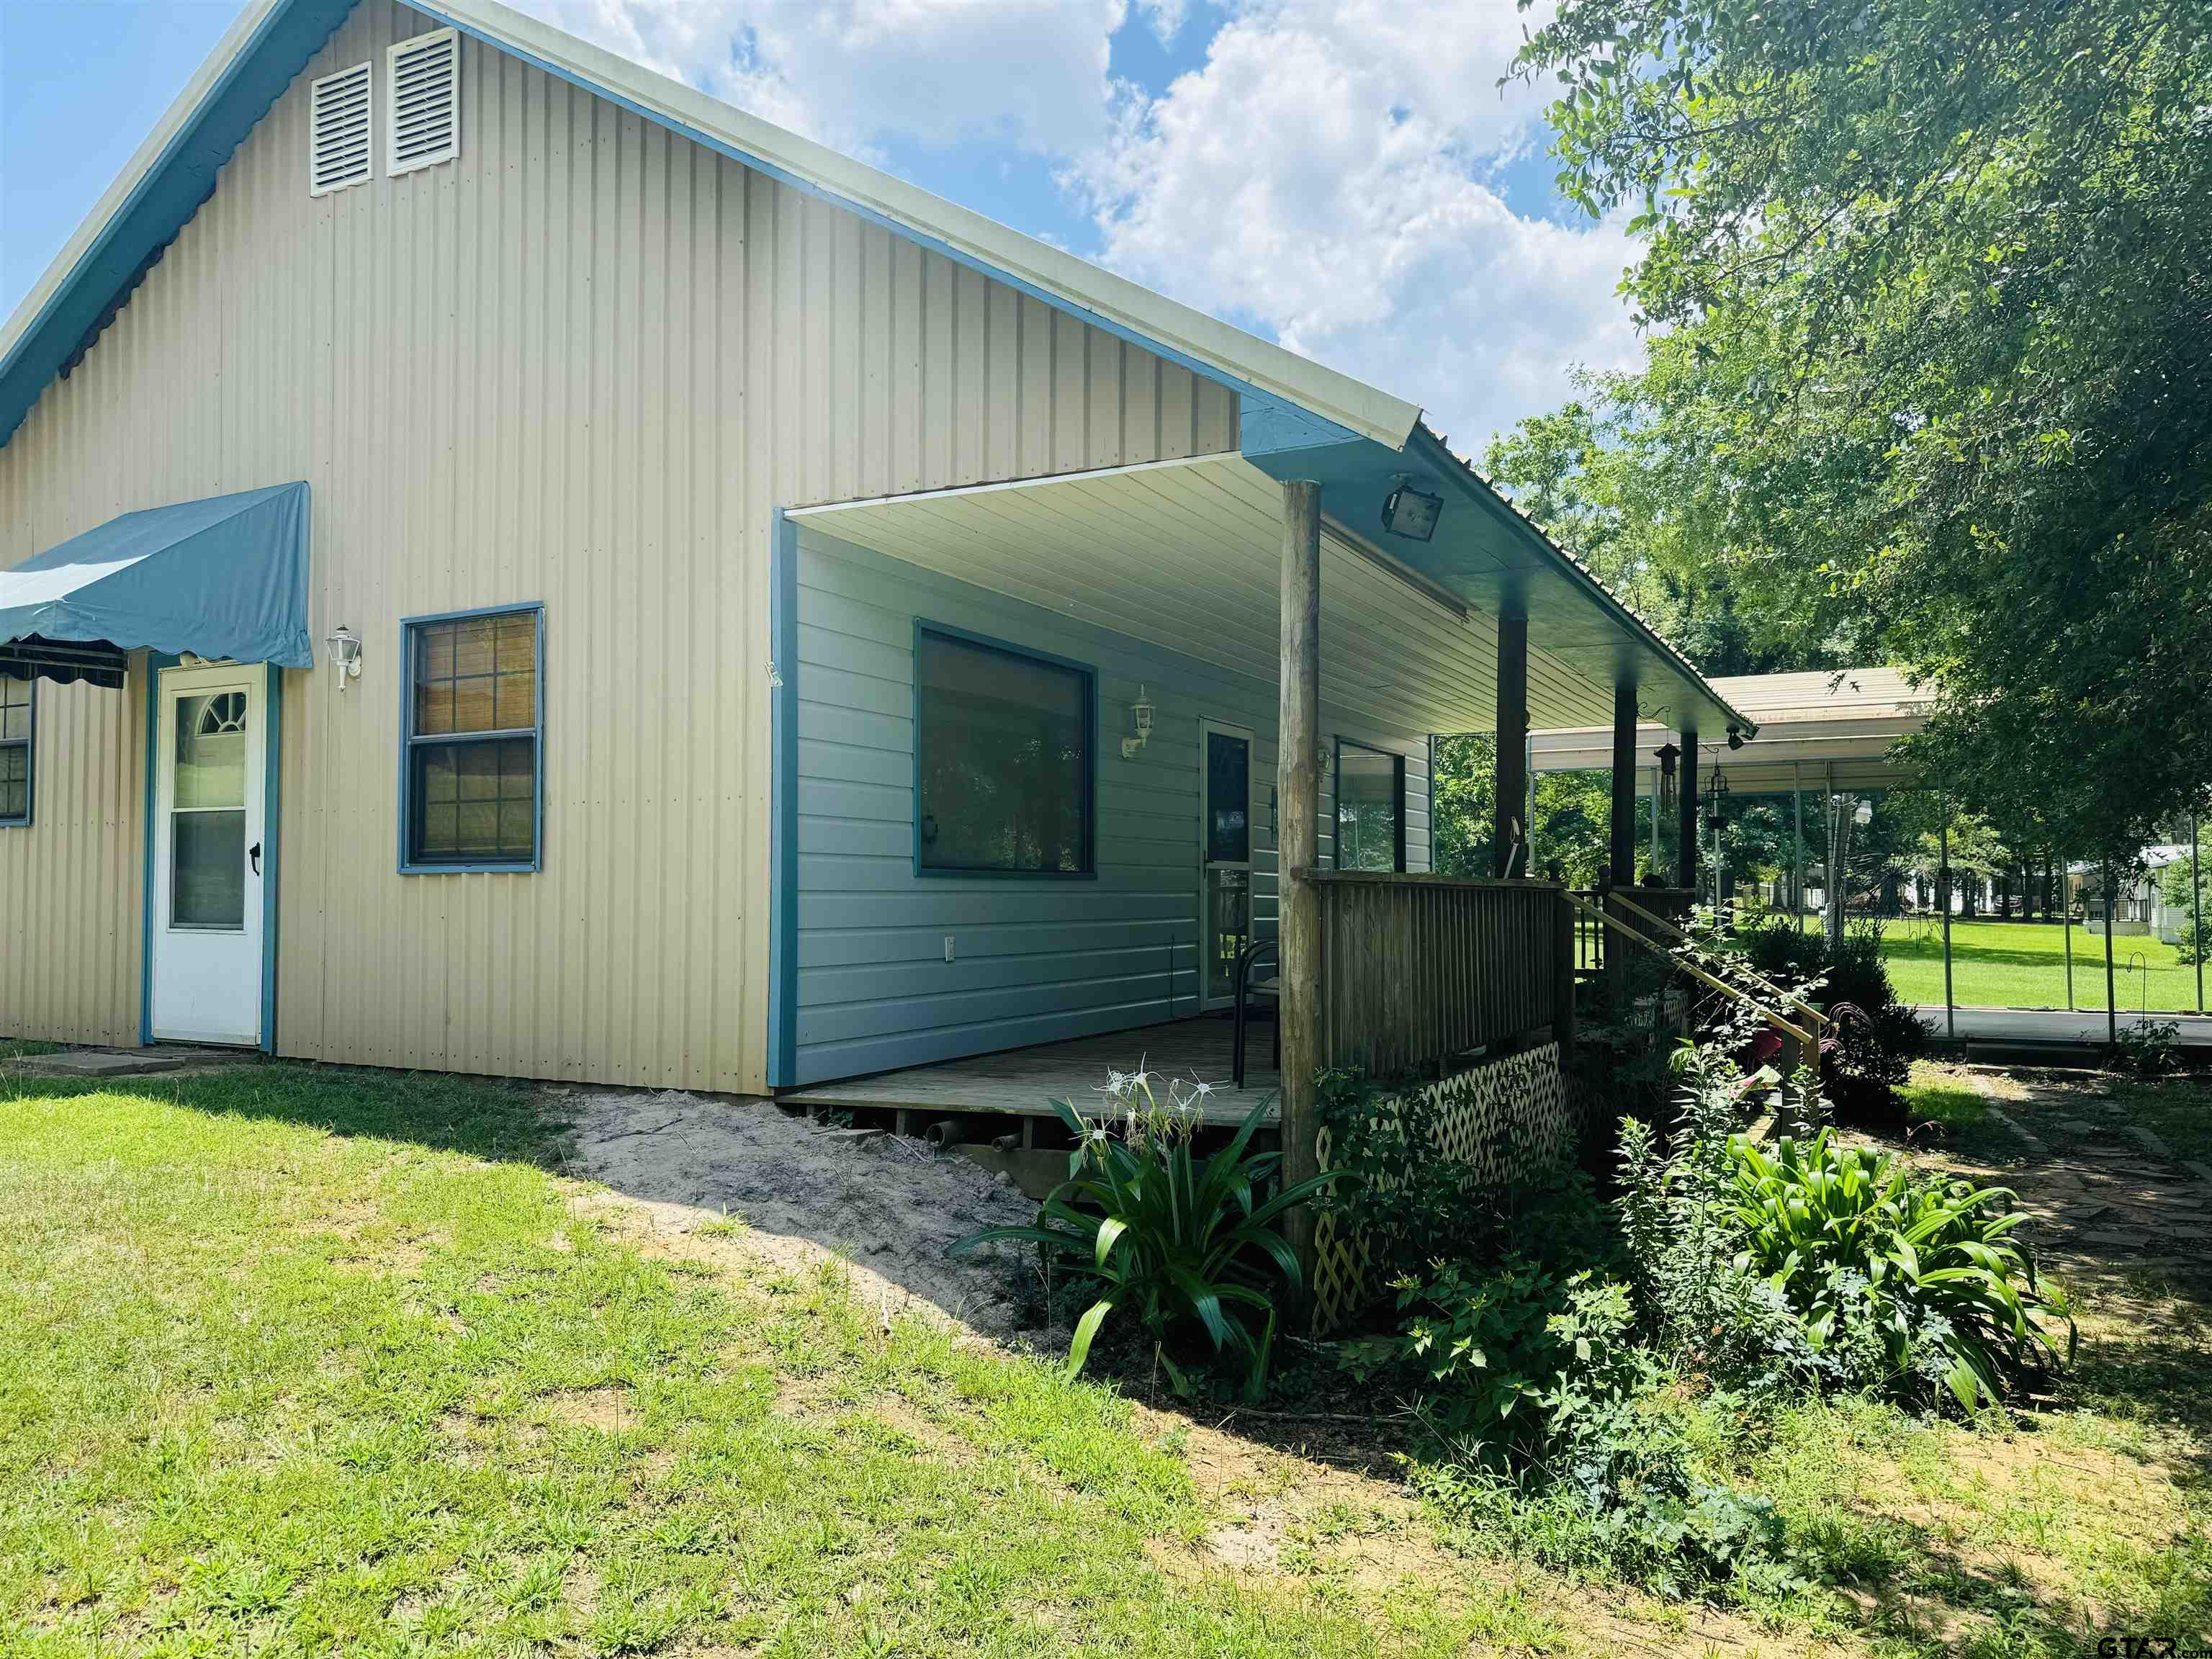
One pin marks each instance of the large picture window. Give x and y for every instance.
(1002, 759)
(16, 712)
(473, 721)
(1371, 808)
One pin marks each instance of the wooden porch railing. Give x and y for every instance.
(1417, 970)
(1674, 904)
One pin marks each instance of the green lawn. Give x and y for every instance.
(2019, 965)
(305, 1361)
(296, 1361)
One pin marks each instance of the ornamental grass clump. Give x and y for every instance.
(1182, 1244)
(1898, 1281)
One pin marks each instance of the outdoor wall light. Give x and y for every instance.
(1140, 718)
(1406, 511)
(1736, 737)
(344, 646)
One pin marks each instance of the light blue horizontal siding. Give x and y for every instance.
(1035, 960)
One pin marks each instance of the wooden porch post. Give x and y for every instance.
(1512, 746)
(1686, 853)
(1298, 849)
(1621, 872)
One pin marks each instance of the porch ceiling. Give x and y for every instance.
(1818, 730)
(1188, 555)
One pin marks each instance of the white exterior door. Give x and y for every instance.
(1224, 799)
(209, 771)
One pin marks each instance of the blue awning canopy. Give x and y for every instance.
(226, 577)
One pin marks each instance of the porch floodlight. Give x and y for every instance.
(1406, 511)
(344, 647)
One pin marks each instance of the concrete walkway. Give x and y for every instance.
(2054, 1026)
(101, 1063)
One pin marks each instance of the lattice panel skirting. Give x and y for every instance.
(1502, 1118)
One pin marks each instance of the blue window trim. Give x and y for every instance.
(409, 627)
(1089, 869)
(29, 745)
(1336, 798)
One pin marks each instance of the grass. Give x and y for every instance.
(1938, 1100)
(2022, 964)
(25, 1048)
(297, 1360)
(2176, 1110)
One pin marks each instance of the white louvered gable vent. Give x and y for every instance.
(340, 147)
(423, 112)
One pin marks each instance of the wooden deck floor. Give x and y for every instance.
(1024, 1082)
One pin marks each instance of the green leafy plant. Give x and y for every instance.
(1475, 1346)
(2147, 1048)
(1172, 1238)
(1896, 1280)
(1412, 1208)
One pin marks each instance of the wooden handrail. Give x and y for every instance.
(1327, 877)
(1692, 968)
(1821, 1021)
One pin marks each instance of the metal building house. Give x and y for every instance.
(509, 565)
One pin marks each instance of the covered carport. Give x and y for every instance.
(1832, 734)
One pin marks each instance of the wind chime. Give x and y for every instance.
(1716, 793)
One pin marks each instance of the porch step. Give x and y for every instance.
(99, 1062)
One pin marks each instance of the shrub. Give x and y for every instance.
(1475, 1346)
(1175, 1239)
(1678, 1211)
(2147, 1048)
(1563, 1431)
(1877, 1037)
(1899, 1283)
(1413, 1208)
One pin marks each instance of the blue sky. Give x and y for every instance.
(1341, 175)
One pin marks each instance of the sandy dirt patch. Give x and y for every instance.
(794, 1192)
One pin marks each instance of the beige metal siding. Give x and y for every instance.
(580, 367)
(69, 884)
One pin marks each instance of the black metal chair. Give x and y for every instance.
(1248, 962)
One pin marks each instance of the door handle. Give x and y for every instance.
(254, 853)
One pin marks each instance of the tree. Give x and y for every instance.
(1462, 818)
(1597, 484)
(1930, 283)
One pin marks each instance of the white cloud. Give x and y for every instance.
(1031, 74)
(1323, 176)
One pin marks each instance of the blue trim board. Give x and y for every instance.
(783, 803)
(155, 662)
(30, 766)
(272, 824)
(1089, 673)
(536, 862)
(164, 201)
